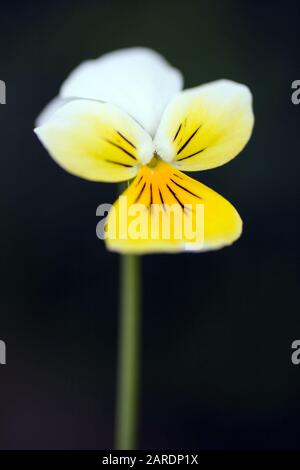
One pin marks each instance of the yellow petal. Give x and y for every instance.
(205, 127)
(164, 210)
(96, 141)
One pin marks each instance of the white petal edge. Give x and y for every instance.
(50, 109)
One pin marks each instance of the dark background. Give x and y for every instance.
(217, 327)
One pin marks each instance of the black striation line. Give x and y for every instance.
(118, 163)
(178, 130)
(126, 140)
(139, 180)
(185, 189)
(175, 196)
(178, 176)
(190, 156)
(121, 148)
(140, 193)
(162, 199)
(160, 195)
(187, 141)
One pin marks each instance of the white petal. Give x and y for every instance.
(138, 80)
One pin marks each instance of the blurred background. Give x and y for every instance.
(217, 327)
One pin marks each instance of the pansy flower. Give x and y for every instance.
(123, 117)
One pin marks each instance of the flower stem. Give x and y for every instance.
(129, 353)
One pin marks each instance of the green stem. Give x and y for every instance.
(129, 353)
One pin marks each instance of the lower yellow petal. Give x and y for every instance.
(164, 210)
